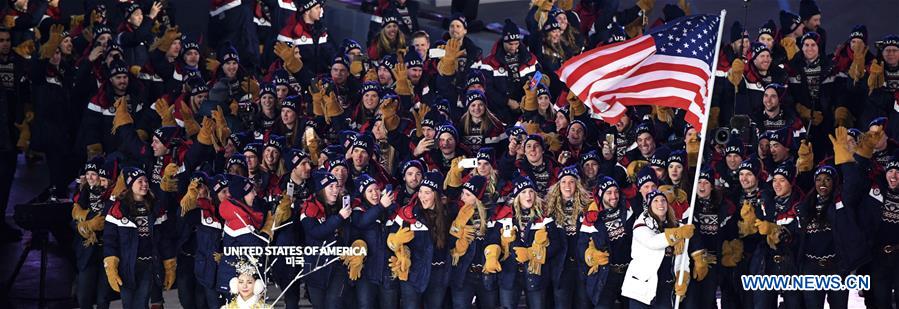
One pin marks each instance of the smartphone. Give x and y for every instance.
(536, 80)
(346, 201)
(468, 163)
(436, 52)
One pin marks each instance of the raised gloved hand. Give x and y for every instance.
(250, 86)
(448, 64)
(292, 63)
(403, 85)
(165, 42)
(356, 66)
(189, 200)
(49, 47)
(212, 64)
(869, 140)
(191, 127)
(857, 68)
(454, 176)
(842, 117)
(875, 76)
(840, 141)
(169, 182)
(663, 114)
(805, 161)
(122, 116)
(735, 74)
(576, 107)
(789, 45)
(222, 131)
(634, 167)
(595, 258)
(206, 135)
(25, 49)
(646, 5)
(491, 259)
(165, 112)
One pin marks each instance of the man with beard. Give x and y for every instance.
(775, 117)
(610, 225)
(510, 64)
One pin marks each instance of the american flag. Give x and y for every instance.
(669, 66)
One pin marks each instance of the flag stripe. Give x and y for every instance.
(581, 78)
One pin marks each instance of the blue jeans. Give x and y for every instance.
(701, 294)
(815, 299)
(190, 293)
(332, 296)
(138, 295)
(93, 287)
(570, 293)
(373, 295)
(884, 278)
(611, 292)
(768, 299)
(292, 296)
(213, 298)
(508, 298)
(474, 286)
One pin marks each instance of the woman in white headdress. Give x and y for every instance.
(247, 288)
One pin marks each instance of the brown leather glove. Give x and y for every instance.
(403, 85)
(189, 200)
(840, 141)
(122, 116)
(169, 182)
(49, 47)
(206, 135)
(857, 68)
(25, 49)
(805, 162)
(165, 112)
(735, 74)
(291, 63)
(448, 64)
(191, 127)
(111, 265)
(875, 76)
(789, 45)
(170, 265)
(212, 64)
(165, 42)
(250, 86)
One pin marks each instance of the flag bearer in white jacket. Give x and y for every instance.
(655, 255)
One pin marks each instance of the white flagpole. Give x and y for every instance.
(685, 260)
